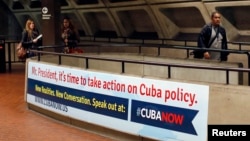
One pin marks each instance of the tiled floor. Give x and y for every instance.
(18, 123)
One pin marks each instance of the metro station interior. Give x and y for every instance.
(157, 19)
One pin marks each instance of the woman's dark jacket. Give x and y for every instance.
(27, 41)
(73, 38)
(203, 41)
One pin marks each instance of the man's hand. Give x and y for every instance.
(206, 55)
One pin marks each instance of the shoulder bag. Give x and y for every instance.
(21, 51)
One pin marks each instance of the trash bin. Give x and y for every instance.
(2, 56)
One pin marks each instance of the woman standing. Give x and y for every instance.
(29, 37)
(69, 35)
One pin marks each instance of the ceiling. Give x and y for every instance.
(147, 19)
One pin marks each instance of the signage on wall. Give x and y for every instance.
(45, 15)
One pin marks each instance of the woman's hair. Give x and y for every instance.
(27, 27)
(71, 26)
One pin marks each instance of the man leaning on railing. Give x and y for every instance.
(212, 36)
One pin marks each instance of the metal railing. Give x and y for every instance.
(162, 44)
(123, 61)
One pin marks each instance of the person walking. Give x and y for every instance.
(213, 36)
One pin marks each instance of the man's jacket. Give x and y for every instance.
(204, 38)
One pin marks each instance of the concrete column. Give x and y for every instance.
(51, 22)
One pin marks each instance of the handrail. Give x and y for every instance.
(122, 61)
(240, 44)
(125, 40)
(187, 48)
(162, 40)
(161, 44)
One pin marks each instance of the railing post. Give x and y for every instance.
(60, 59)
(227, 76)
(169, 72)
(123, 67)
(39, 54)
(87, 63)
(9, 57)
(248, 56)
(159, 50)
(187, 53)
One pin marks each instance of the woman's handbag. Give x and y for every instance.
(21, 51)
(75, 50)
